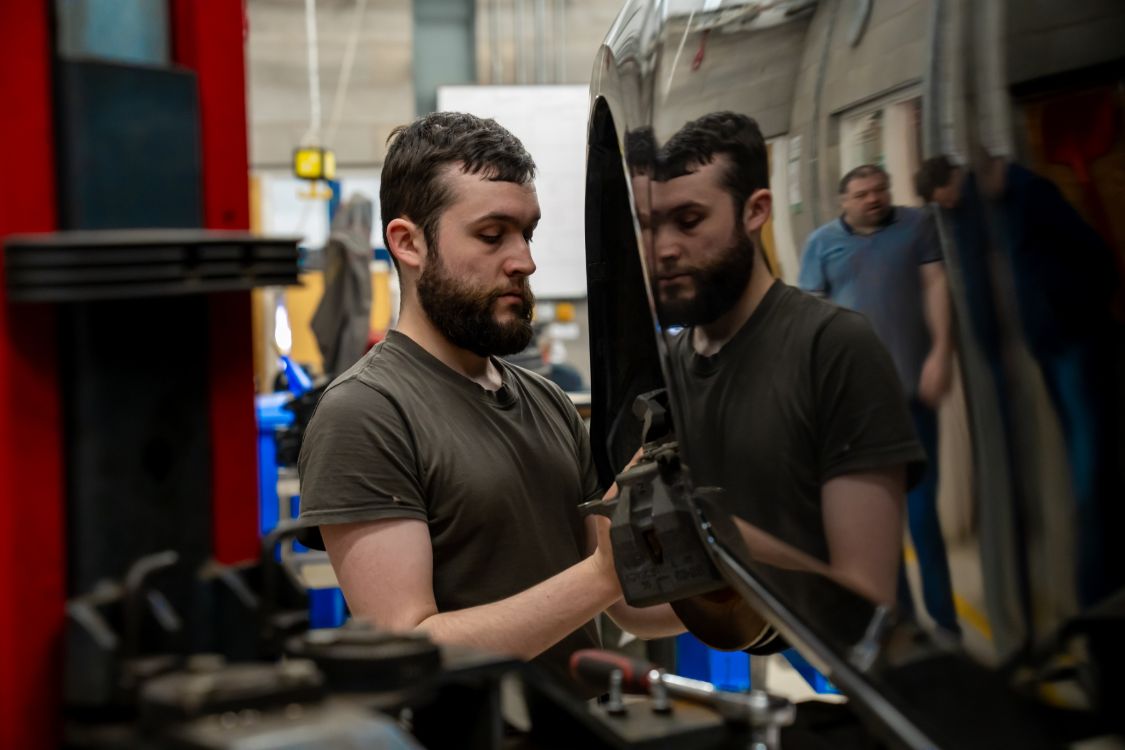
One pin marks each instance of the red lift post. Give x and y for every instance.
(32, 585)
(209, 39)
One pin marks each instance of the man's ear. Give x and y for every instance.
(756, 211)
(406, 241)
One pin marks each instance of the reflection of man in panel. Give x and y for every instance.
(791, 404)
(1064, 281)
(884, 261)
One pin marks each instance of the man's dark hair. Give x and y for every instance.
(640, 151)
(935, 172)
(411, 183)
(863, 170)
(719, 133)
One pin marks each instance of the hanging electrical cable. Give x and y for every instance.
(346, 66)
(312, 135)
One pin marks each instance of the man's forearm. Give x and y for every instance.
(528, 623)
(937, 310)
(658, 621)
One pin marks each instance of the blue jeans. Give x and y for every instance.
(925, 531)
(1081, 378)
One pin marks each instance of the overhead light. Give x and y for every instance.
(314, 163)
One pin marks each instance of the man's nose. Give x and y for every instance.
(520, 263)
(667, 246)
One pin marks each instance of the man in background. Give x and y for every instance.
(885, 262)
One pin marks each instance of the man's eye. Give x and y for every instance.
(690, 221)
(491, 239)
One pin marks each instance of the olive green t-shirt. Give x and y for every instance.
(496, 475)
(803, 392)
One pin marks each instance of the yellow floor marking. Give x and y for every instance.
(971, 615)
(965, 611)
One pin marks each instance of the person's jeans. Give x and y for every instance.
(1081, 380)
(925, 531)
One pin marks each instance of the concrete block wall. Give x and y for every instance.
(380, 95)
(1047, 37)
(744, 70)
(890, 57)
(584, 26)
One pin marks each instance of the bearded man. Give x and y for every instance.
(443, 481)
(790, 403)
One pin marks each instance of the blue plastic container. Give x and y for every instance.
(816, 680)
(327, 608)
(272, 416)
(726, 670)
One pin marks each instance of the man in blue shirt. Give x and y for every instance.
(885, 261)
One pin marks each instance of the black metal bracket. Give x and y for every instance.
(658, 553)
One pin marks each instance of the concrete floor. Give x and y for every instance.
(968, 597)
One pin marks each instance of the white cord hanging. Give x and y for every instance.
(345, 72)
(312, 135)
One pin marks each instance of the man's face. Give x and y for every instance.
(473, 285)
(700, 259)
(949, 195)
(867, 201)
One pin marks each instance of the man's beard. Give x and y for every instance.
(717, 286)
(465, 314)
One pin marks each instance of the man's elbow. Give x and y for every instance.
(665, 630)
(647, 623)
(401, 620)
(877, 585)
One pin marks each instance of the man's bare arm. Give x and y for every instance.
(937, 368)
(385, 569)
(935, 288)
(657, 621)
(863, 515)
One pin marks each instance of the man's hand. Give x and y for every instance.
(658, 621)
(613, 490)
(597, 531)
(937, 374)
(603, 554)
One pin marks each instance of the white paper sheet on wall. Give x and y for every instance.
(551, 123)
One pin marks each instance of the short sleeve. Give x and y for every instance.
(357, 462)
(591, 488)
(811, 276)
(862, 416)
(928, 241)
